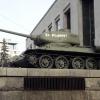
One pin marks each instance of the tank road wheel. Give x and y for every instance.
(32, 59)
(78, 63)
(91, 63)
(61, 62)
(45, 61)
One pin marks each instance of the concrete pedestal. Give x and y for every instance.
(12, 84)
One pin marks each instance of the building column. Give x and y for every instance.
(76, 19)
(97, 22)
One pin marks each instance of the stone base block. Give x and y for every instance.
(11, 83)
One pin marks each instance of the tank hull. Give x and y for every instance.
(71, 58)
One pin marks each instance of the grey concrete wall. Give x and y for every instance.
(50, 95)
(44, 95)
(25, 72)
(17, 84)
(12, 84)
(18, 94)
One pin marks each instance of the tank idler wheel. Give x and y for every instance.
(45, 61)
(61, 62)
(78, 63)
(91, 63)
(32, 59)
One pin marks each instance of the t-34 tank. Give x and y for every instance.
(59, 49)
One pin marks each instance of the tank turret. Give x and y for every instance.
(59, 49)
(52, 37)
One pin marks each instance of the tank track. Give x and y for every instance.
(61, 59)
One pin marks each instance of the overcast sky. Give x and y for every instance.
(21, 16)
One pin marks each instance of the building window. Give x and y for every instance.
(50, 27)
(57, 22)
(68, 18)
(44, 31)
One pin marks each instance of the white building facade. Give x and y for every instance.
(80, 17)
(11, 47)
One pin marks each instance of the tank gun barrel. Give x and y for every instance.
(15, 33)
